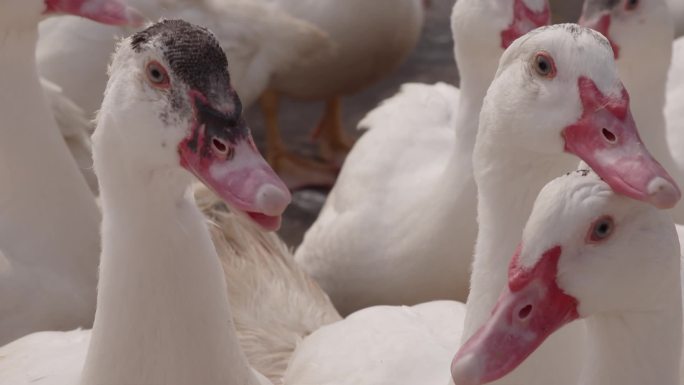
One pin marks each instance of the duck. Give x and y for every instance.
(588, 254)
(48, 218)
(520, 146)
(404, 204)
(639, 29)
(371, 39)
(162, 308)
(259, 267)
(256, 50)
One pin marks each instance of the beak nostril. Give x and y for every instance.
(219, 146)
(608, 135)
(525, 312)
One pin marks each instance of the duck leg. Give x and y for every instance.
(334, 142)
(296, 171)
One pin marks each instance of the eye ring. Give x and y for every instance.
(601, 229)
(544, 65)
(157, 75)
(631, 5)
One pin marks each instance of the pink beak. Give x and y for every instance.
(114, 12)
(529, 310)
(606, 138)
(221, 153)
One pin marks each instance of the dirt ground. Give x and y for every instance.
(432, 61)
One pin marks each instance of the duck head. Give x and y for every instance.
(585, 251)
(172, 78)
(638, 30)
(557, 90)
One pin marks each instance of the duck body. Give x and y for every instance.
(274, 303)
(371, 38)
(381, 344)
(349, 225)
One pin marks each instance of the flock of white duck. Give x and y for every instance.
(449, 195)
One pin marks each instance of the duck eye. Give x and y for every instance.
(157, 75)
(631, 4)
(601, 229)
(543, 64)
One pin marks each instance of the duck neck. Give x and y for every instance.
(508, 183)
(162, 308)
(457, 190)
(473, 87)
(467, 120)
(639, 347)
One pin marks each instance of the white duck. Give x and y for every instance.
(399, 226)
(162, 309)
(640, 32)
(588, 253)
(571, 69)
(259, 39)
(372, 38)
(268, 334)
(48, 218)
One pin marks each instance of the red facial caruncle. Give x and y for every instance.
(524, 21)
